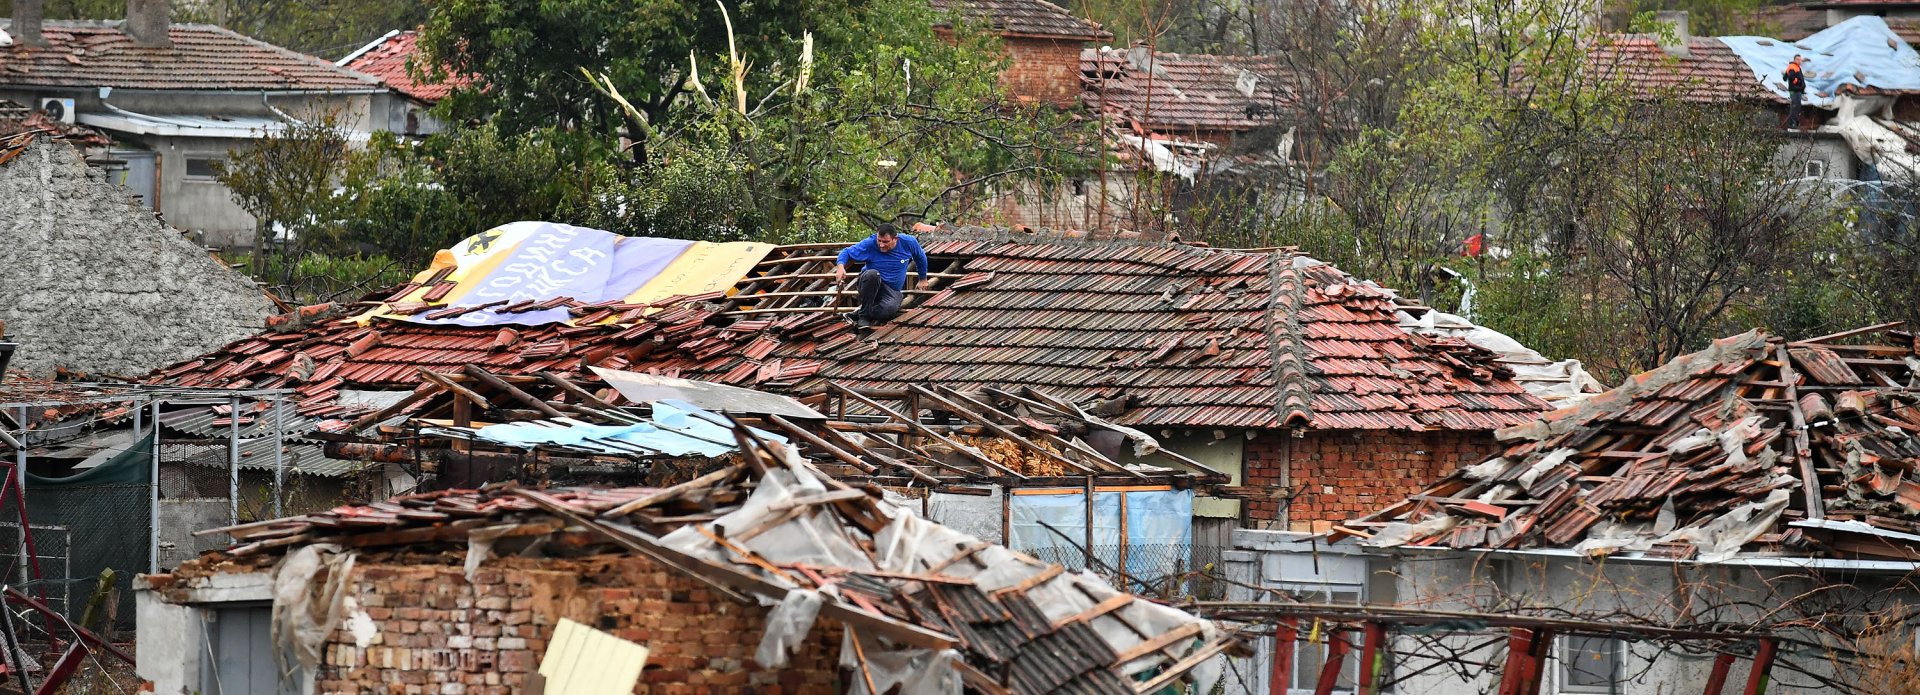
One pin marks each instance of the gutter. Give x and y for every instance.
(1761, 561)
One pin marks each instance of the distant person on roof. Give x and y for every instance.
(883, 278)
(1796, 91)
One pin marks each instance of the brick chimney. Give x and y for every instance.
(27, 15)
(147, 22)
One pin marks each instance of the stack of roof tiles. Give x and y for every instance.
(202, 56)
(1180, 335)
(1701, 444)
(1171, 92)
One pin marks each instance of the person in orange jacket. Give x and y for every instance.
(1796, 92)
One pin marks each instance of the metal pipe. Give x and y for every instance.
(1757, 678)
(233, 464)
(153, 501)
(1286, 634)
(279, 455)
(1717, 681)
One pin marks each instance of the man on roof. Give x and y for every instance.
(1796, 91)
(882, 281)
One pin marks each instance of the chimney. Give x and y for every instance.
(147, 22)
(27, 15)
(1676, 21)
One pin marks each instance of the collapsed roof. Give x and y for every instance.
(1755, 445)
(774, 529)
(1158, 334)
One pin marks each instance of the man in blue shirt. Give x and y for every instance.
(883, 278)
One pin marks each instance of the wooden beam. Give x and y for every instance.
(1802, 451)
(426, 391)
(1150, 646)
(448, 383)
(997, 428)
(501, 385)
(1113, 603)
(1181, 667)
(1863, 330)
(584, 395)
(963, 450)
(822, 444)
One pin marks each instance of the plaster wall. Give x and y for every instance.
(106, 286)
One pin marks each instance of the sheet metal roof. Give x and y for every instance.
(1187, 336)
(1184, 93)
(87, 54)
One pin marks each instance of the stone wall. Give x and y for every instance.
(1338, 475)
(439, 634)
(97, 283)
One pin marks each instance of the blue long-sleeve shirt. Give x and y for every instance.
(891, 264)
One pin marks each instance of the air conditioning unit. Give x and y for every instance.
(58, 109)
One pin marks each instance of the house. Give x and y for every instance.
(1319, 394)
(766, 575)
(110, 289)
(1043, 43)
(177, 97)
(391, 59)
(1862, 83)
(1761, 486)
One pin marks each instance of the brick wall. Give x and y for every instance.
(1043, 70)
(1340, 475)
(439, 634)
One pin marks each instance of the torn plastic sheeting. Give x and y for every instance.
(1397, 533)
(1860, 52)
(787, 624)
(810, 537)
(1546, 463)
(1723, 537)
(677, 429)
(1488, 469)
(913, 671)
(304, 613)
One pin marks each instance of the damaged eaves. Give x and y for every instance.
(1756, 445)
(759, 529)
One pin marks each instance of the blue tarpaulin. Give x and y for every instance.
(1862, 52)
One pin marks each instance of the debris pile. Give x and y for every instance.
(1754, 444)
(921, 603)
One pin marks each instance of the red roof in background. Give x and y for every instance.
(1794, 22)
(1182, 332)
(1865, 5)
(1184, 93)
(89, 54)
(1026, 18)
(1712, 73)
(386, 59)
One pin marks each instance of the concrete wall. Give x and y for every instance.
(101, 286)
(201, 205)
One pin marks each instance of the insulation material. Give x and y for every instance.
(306, 606)
(1562, 383)
(912, 671)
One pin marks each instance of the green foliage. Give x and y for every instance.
(326, 28)
(694, 194)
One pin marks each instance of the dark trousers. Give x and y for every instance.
(879, 302)
(1794, 100)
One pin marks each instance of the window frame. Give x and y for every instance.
(1565, 655)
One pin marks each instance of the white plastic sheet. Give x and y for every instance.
(305, 614)
(787, 624)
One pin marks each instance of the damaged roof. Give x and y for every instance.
(1755, 444)
(1026, 18)
(89, 53)
(1178, 93)
(774, 528)
(388, 59)
(1709, 72)
(1160, 334)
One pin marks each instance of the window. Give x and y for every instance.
(1310, 658)
(1817, 168)
(202, 167)
(1589, 664)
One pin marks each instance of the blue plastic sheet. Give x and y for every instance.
(1861, 52)
(1159, 529)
